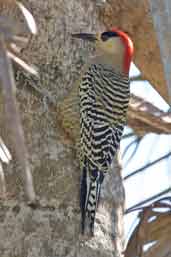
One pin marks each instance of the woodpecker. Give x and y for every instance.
(103, 100)
(94, 113)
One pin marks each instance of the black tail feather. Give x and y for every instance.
(90, 195)
(83, 194)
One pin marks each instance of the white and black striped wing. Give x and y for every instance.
(104, 97)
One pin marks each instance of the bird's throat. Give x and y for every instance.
(115, 62)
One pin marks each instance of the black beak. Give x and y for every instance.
(85, 36)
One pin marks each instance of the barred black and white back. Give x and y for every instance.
(104, 96)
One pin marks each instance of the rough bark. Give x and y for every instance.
(53, 228)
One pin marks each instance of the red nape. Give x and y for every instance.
(129, 49)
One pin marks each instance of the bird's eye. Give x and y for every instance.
(108, 34)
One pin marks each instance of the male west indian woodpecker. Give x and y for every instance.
(101, 98)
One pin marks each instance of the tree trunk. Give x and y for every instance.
(53, 228)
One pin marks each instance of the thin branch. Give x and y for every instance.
(137, 79)
(128, 135)
(139, 206)
(2, 182)
(136, 141)
(143, 117)
(24, 65)
(12, 115)
(12, 42)
(5, 155)
(134, 151)
(147, 165)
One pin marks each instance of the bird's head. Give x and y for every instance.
(114, 46)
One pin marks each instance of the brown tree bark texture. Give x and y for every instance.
(53, 228)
